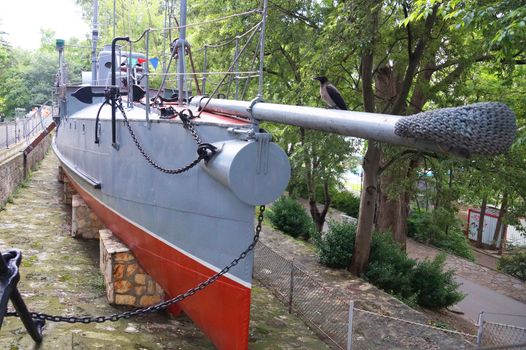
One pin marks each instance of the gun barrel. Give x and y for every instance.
(482, 128)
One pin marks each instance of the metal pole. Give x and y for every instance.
(262, 48)
(291, 287)
(129, 78)
(146, 70)
(204, 70)
(182, 41)
(236, 67)
(95, 38)
(480, 329)
(349, 325)
(114, 19)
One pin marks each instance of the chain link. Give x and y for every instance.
(204, 150)
(160, 306)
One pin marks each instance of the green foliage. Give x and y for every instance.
(347, 202)
(434, 287)
(288, 216)
(424, 283)
(514, 264)
(335, 246)
(440, 229)
(389, 268)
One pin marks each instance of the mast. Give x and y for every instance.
(181, 42)
(95, 38)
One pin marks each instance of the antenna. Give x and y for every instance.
(95, 38)
(181, 41)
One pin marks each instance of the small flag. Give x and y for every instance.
(154, 62)
(141, 60)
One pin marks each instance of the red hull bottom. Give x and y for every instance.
(221, 310)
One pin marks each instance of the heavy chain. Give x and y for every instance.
(160, 306)
(204, 150)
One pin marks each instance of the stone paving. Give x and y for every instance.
(499, 282)
(60, 276)
(370, 331)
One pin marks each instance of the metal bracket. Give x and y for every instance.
(243, 133)
(9, 277)
(250, 109)
(263, 146)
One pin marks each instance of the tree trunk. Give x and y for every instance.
(502, 244)
(362, 245)
(317, 216)
(481, 220)
(502, 212)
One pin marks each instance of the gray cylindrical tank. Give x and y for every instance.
(257, 173)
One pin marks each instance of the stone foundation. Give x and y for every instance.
(126, 282)
(69, 191)
(84, 222)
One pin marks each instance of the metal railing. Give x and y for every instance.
(13, 132)
(493, 334)
(328, 311)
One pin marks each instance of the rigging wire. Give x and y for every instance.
(215, 20)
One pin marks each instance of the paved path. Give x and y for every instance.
(60, 275)
(483, 276)
(498, 306)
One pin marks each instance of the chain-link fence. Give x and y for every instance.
(328, 311)
(24, 128)
(494, 334)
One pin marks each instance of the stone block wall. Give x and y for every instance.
(84, 223)
(126, 282)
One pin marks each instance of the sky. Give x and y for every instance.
(23, 19)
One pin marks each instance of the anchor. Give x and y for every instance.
(9, 277)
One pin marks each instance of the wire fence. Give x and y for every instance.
(21, 129)
(492, 334)
(328, 311)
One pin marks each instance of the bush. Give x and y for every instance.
(389, 266)
(429, 228)
(347, 202)
(434, 287)
(514, 264)
(288, 216)
(335, 246)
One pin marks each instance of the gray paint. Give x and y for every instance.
(193, 210)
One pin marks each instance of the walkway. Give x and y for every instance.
(501, 283)
(60, 275)
(487, 290)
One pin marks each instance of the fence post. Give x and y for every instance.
(349, 326)
(6, 135)
(291, 288)
(480, 325)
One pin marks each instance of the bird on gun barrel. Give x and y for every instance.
(330, 94)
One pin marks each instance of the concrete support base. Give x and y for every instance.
(68, 192)
(60, 175)
(126, 282)
(84, 222)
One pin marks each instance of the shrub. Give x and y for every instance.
(434, 287)
(429, 228)
(514, 264)
(288, 216)
(389, 266)
(347, 202)
(336, 245)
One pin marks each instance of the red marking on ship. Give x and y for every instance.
(221, 310)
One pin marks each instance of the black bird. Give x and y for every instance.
(330, 94)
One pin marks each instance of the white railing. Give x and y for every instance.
(14, 132)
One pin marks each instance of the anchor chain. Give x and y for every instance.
(204, 150)
(160, 306)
